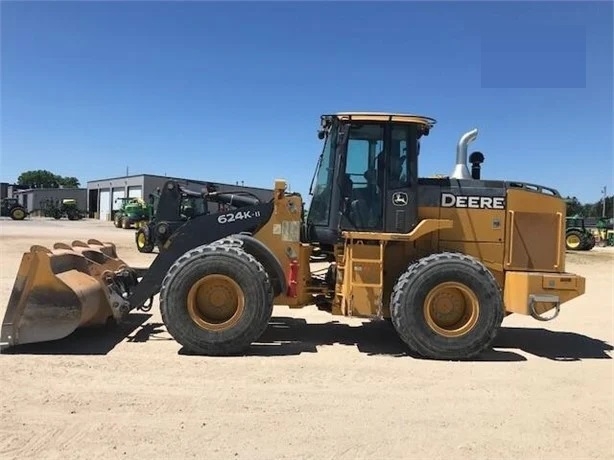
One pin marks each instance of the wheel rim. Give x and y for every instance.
(215, 302)
(573, 241)
(19, 214)
(141, 240)
(451, 309)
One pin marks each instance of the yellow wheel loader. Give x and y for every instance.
(445, 259)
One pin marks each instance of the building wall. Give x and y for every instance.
(103, 194)
(31, 199)
(10, 190)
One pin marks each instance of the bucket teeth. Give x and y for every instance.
(59, 290)
(39, 248)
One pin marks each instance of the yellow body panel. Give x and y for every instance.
(535, 232)
(281, 234)
(521, 286)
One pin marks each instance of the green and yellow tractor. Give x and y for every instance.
(577, 236)
(10, 207)
(133, 211)
(67, 207)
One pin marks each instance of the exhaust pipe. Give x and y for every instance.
(461, 171)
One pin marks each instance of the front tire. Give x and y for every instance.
(216, 300)
(447, 306)
(143, 243)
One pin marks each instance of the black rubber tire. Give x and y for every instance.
(125, 223)
(580, 236)
(149, 246)
(237, 242)
(411, 289)
(18, 213)
(589, 242)
(244, 269)
(117, 221)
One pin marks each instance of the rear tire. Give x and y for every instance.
(574, 240)
(234, 282)
(443, 286)
(589, 242)
(17, 214)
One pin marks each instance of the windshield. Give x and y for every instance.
(193, 206)
(319, 208)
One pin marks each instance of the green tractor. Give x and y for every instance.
(577, 236)
(133, 211)
(68, 208)
(10, 207)
(605, 231)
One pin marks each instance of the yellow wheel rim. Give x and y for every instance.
(573, 241)
(141, 240)
(19, 214)
(216, 302)
(451, 309)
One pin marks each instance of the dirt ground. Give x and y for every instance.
(315, 387)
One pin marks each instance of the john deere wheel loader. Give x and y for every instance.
(446, 259)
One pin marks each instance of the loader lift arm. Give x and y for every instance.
(197, 232)
(204, 229)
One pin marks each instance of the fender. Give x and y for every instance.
(269, 261)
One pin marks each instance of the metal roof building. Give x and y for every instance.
(103, 194)
(33, 198)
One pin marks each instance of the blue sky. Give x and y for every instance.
(233, 91)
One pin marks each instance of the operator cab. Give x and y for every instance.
(367, 175)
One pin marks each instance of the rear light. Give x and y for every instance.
(292, 278)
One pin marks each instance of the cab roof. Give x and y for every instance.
(385, 116)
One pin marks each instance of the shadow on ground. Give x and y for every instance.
(287, 336)
(87, 341)
(293, 336)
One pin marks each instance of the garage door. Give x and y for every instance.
(105, 204)
(118, 193)
(135, 192)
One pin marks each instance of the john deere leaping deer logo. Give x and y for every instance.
(399, 199)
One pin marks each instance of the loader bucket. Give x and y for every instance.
(59, 290)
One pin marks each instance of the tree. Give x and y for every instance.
(575, 207)
(69, 182)
(41, 178)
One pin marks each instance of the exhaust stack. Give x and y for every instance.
(461, 171)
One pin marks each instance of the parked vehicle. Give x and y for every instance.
(10, 207)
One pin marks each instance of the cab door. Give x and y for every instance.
(401, 179)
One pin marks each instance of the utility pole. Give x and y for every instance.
(604, 191)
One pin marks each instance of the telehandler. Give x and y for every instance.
(445, 259)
